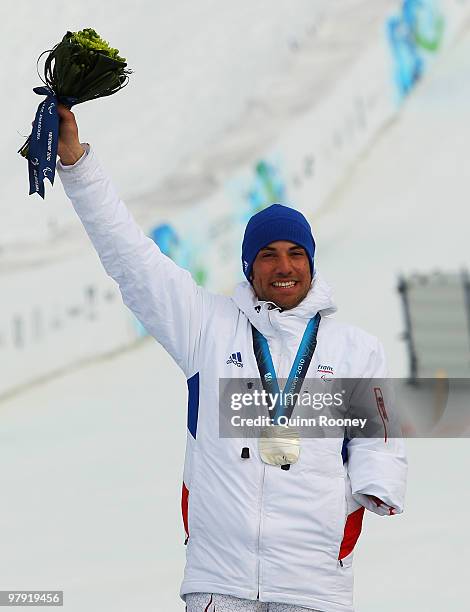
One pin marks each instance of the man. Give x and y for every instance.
(259, 538)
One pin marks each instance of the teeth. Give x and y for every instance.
(284, 284)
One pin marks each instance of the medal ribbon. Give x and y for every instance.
(285, 400)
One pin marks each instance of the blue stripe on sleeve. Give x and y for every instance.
(193, 403)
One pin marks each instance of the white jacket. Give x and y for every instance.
(255, 531)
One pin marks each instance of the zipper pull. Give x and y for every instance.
(245, 453)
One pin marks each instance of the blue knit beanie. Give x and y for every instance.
(276, 222)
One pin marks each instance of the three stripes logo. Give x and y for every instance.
(236, 359)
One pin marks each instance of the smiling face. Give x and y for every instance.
(281, 274)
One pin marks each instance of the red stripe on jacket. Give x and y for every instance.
(352, 531)
(184, 507)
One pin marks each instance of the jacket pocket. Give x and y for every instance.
(323, 502)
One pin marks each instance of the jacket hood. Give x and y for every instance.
(267, 318)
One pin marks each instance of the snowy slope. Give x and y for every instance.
(199, 69)
(58, 309)
(92, 462)
(403, 208)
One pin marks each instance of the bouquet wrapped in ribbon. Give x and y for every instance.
(81, 67)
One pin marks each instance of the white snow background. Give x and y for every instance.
(91, 463)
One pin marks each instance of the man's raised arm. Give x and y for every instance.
(163, 296)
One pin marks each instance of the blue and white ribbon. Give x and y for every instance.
(44, 140)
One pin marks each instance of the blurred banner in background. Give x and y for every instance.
(437, 315)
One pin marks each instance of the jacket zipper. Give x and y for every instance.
(258, 572)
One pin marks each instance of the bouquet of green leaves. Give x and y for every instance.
(81, 67)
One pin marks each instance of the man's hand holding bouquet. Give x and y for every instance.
(81, 67)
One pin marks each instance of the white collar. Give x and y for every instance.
(269, 319)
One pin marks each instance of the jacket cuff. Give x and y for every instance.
(76, 170)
